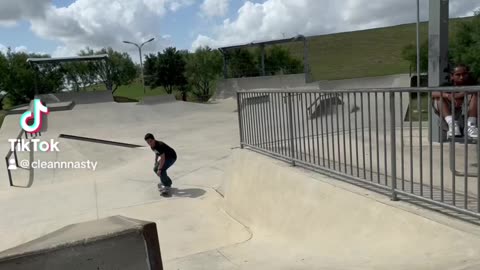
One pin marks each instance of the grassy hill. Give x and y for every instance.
(373, 52)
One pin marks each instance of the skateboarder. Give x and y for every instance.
(165, 157)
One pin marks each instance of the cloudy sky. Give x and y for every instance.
(64, 27)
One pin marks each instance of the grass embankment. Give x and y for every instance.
(366, 53)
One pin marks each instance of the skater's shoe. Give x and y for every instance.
(160, 187)
(166, 191)
(472, 132)
(454, 130)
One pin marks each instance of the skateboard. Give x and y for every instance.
(164, 192)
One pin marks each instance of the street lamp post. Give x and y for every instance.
(141, 62)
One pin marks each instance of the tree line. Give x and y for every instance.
(177, 70)
(174, 70)
(464, 48)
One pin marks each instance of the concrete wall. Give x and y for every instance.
(107, 244)
(316, 217)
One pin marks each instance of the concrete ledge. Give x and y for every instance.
(53, 107)
(153, 100)
(115, 242)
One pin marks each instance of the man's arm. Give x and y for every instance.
(161, 163)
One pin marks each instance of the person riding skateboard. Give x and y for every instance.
(165, 157)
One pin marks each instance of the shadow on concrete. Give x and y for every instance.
(187, 193)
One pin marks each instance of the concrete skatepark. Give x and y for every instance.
(231, 208)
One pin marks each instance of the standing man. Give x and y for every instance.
(165, 157)
(443, 104)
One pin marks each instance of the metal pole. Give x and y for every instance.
(263, 59)
(306, 66)
(240, 125)
(141, 68)
(141, 61)
(290, 117)
(418, 43)
(394, 146)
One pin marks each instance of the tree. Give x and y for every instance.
(166, 69)
(118, 70)
(465, 47)
(242, 63)
(279, 60)
(20, 80)
(202, 69)
(409, 53)
(79, 75)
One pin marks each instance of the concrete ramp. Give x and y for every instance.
(111, 243)
(153, 100)
(390, 81)
(318, 225)
(227, 88)
(52, 107)
(78, 97)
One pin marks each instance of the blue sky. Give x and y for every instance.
(182, 26)
(63, 27)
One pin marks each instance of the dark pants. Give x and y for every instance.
(166, 181)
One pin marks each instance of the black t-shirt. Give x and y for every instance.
(162, 148)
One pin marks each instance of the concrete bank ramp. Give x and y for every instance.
(227, 88)
(78, 97)
(300, 222)
(153, 100)
(390, 81)
(115, 242)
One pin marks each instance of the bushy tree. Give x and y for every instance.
(20, 80)
(203, 68)
(248, 63)
(117, 71)
(242, 63)
(279, 60)
(166, 69)
(409, 53)
(465, 47)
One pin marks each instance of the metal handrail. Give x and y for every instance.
(14, 152)
(456, 89)
(339, 140)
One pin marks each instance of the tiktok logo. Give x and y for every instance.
(36, 115)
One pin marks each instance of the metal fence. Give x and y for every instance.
(379, 137)
(13, 151)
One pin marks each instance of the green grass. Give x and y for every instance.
(134, 92)
(130, 93)
(374, 52)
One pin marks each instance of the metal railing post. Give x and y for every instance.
(9, 173)
(394, 146)
(290, 123)
(239, 108)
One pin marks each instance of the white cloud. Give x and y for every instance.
(105, 23)
(275, 19)
(12, 11)
(214, 8)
